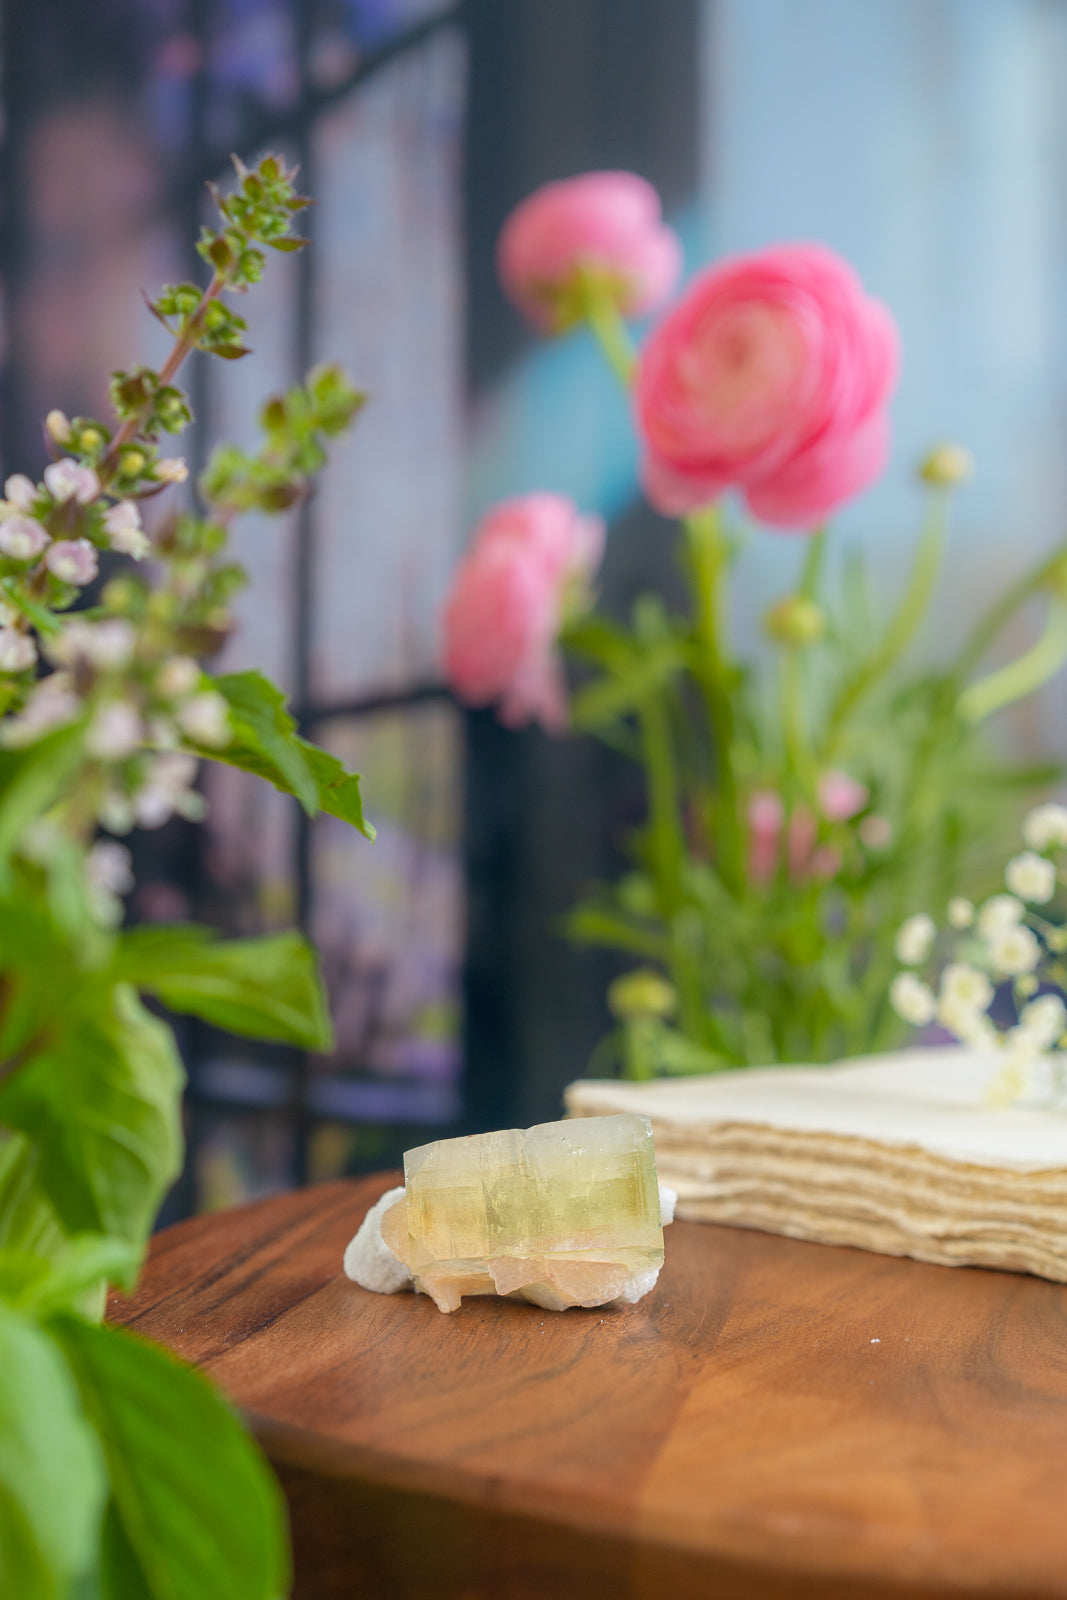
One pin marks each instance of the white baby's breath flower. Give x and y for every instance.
(915, 939)
(960, 912)
(1045, 825)
(115, 732)
(172, 469)
(1044, 1020)
(20, 491)
(205, 719)
(123, 524)
(1000, 911)
(1014, 950)
(1031, 877)
(22, 538)
(966, 984)
(66, 480)
(17, 651)
(178, 677)
(969, 1024)
(912, 999)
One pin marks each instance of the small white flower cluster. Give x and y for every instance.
(1004, 940)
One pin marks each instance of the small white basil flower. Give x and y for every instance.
(1045, 825)
(915, 939)
(73, 561)
(1031, 877)
(912, 1000)
(51, 703)
(109, 867)
(22, 538)
(960, 912)
(169, 789)
(999, 911)
(123, 524)
(66, 480)
(115, 732)
(1014, 950)
(205, 719)
(105, 645)
(172, 469)
(178, 677)
(20, 491)
(17, 651)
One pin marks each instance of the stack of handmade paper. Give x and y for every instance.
(902, 1154)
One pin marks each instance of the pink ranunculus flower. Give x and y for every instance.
(529, 559)
(608, 224)
(771, 375)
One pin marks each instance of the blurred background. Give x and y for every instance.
(926, 140)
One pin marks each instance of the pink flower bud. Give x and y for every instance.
(66, 480)
(507, 602)
(73, 561)
(841, 797)
(17, 651)
(606, 224)
(772, 375)
(20, 491)
(765, 817)
(22, 538)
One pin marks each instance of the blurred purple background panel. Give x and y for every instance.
(388, 274)
(389, 920)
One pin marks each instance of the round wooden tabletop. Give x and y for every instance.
(776, 1419)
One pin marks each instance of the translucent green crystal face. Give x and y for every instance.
(584, 1190)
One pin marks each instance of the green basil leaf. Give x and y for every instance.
(265, 741)
(52, 1485)
(200, 1513)
(43, 1284)
(266, 988)
(31, 779)
(102, 1102)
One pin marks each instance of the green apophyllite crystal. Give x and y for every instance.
(567, 1213)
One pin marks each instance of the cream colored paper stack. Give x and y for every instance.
(901, 1154)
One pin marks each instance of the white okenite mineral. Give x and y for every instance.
(564, 1214)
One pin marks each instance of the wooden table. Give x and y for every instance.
(776, 1420)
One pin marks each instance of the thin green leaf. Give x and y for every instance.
(200, 1514)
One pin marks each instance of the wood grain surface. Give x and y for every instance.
(776, 1419)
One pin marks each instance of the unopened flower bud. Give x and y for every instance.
(172, 469)
(132, 463)
(205, 719)
(58, 425)
(123, 524)
(21, 491)
(22, 538)
(946, 466)
(795, 620)
(17, 651)
(90, 439)
(66, 480)
(641, 994)
(73, 561)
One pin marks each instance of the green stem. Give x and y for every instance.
(707, 573)
(1001, 612)
(813, 564)
(904, 622)
(1022, 676)
(794, 731)
(612, 334)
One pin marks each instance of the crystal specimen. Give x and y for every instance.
(564, 1214)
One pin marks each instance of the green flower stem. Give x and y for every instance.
(610, 331)
(1001, 612)
(814, 557)
(902, 626)
(794, 727)
(707, 565)
(183, 345)
(667, 854)
(1022, 676)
